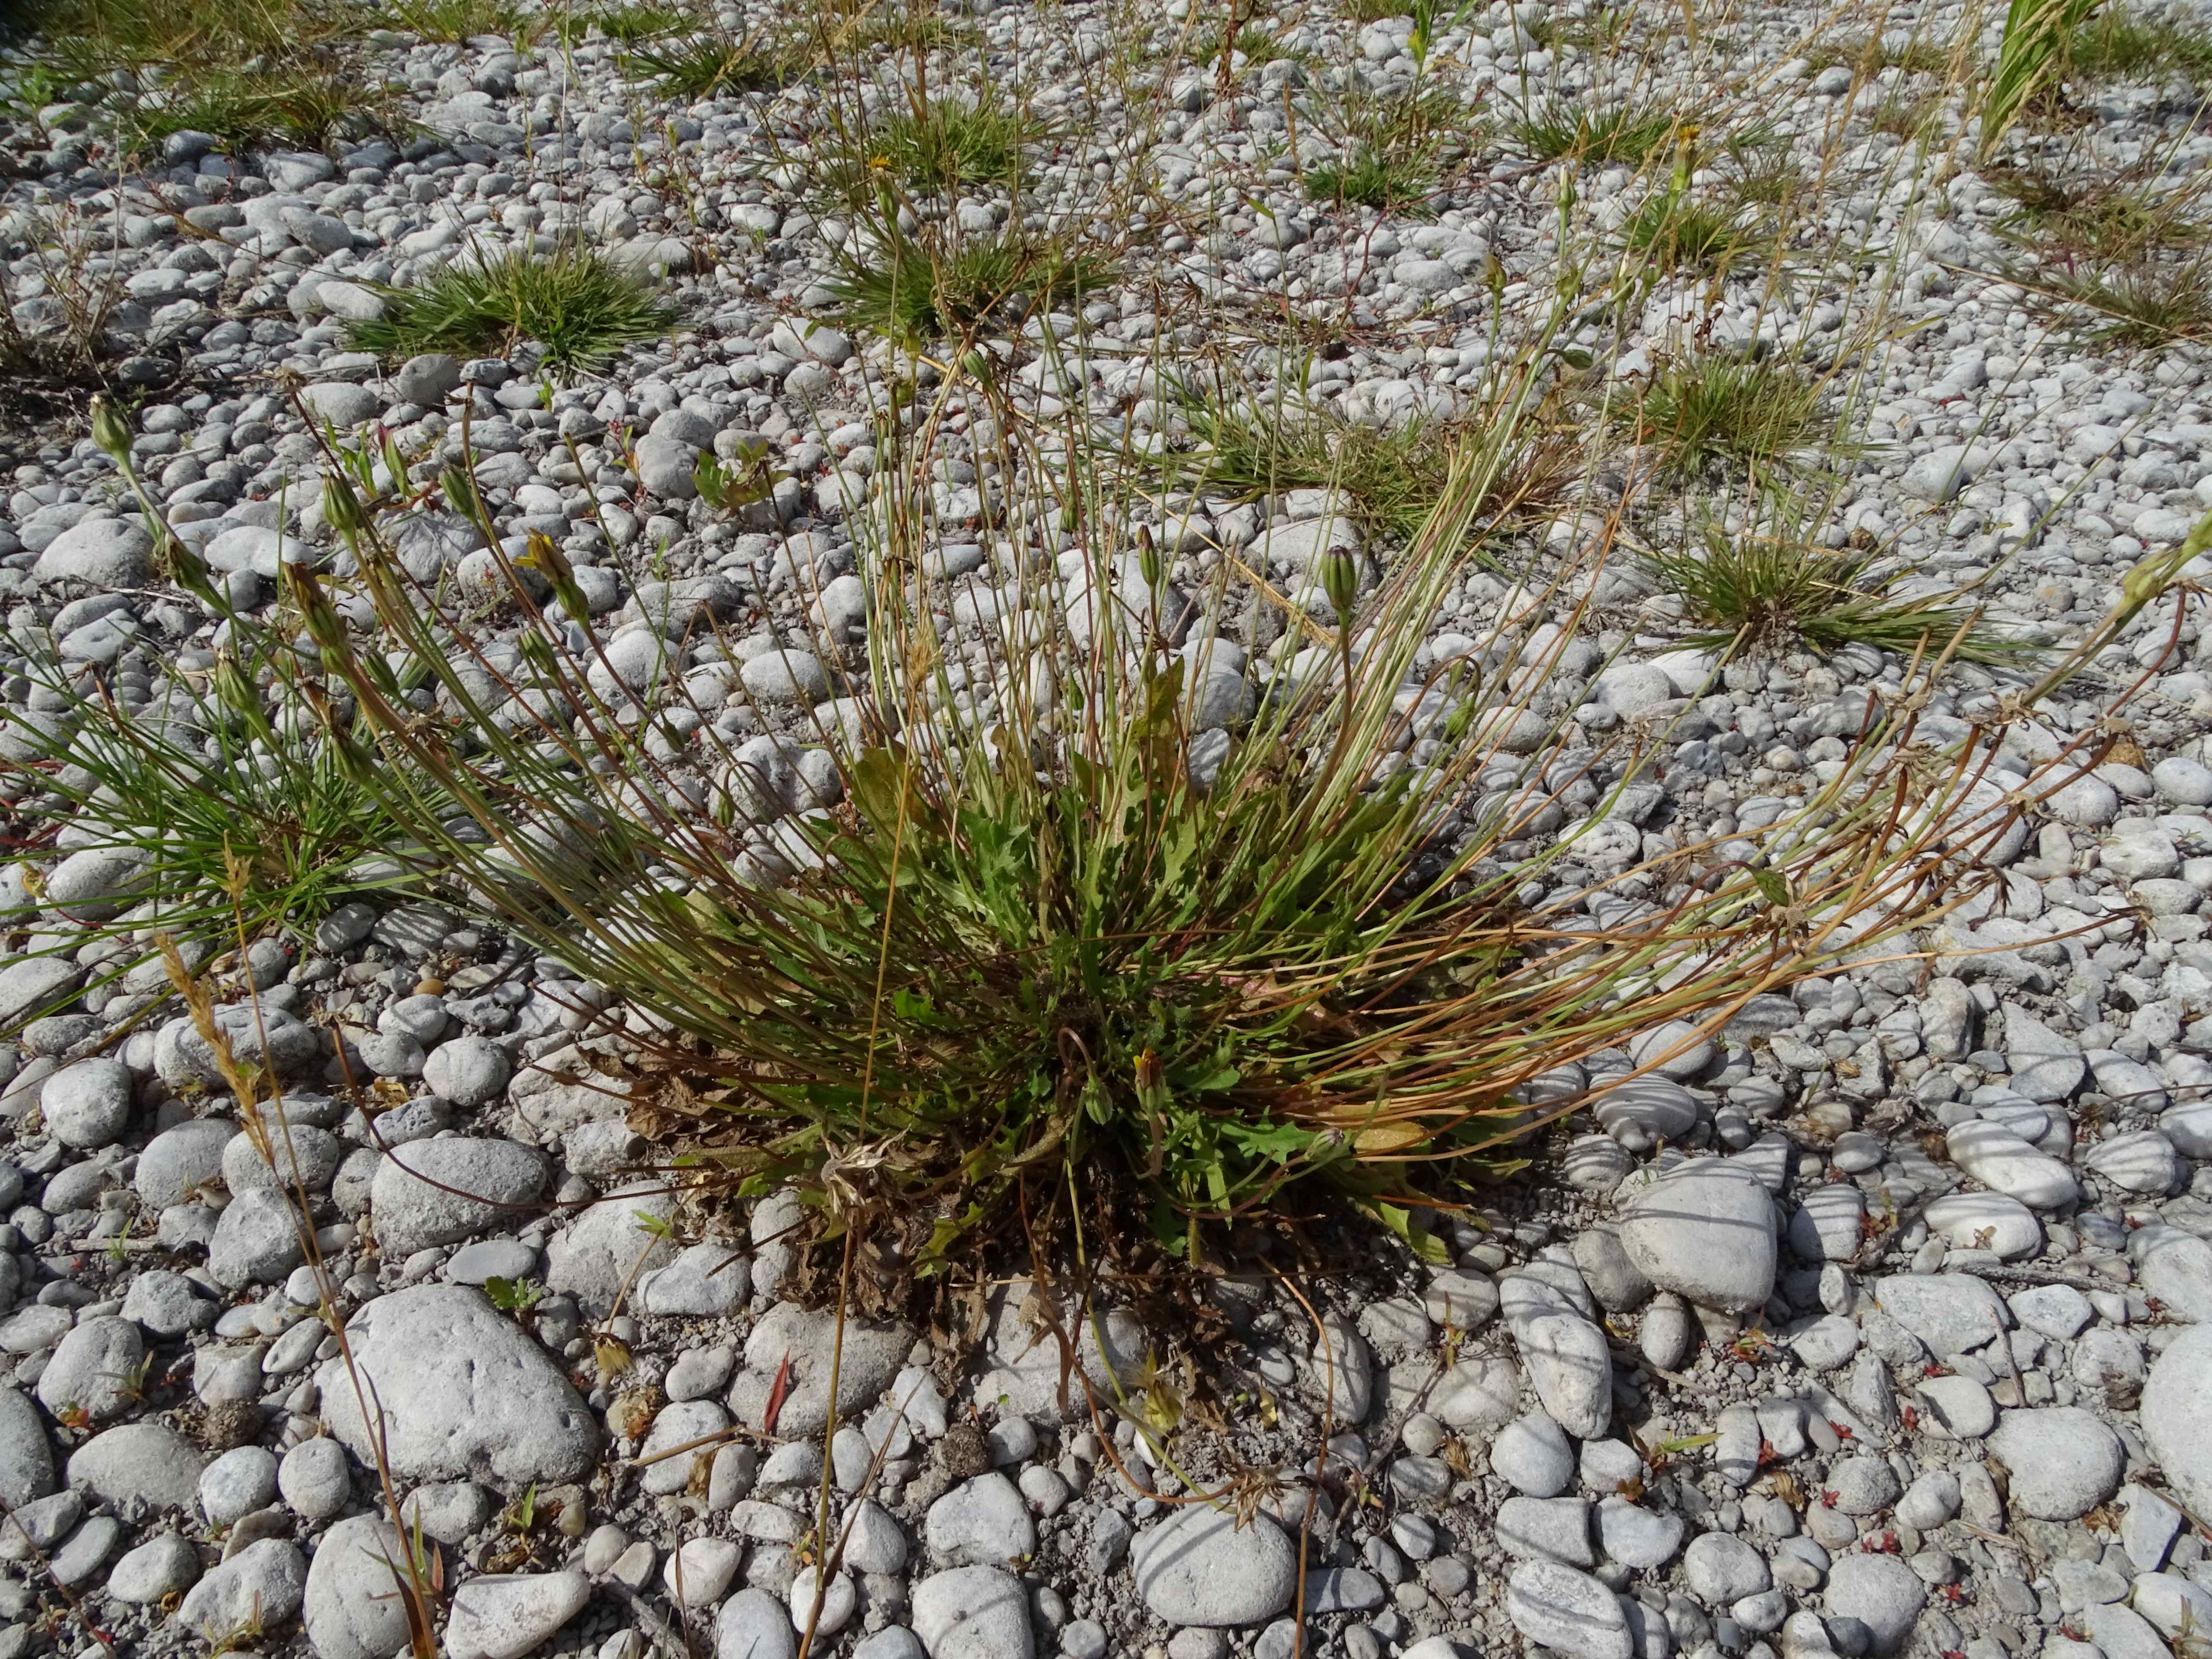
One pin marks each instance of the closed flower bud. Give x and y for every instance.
(232, 687)
(342, 509)
(536, 650)
(185, 567)
(316, 614)
(109, 429)
(1149, 563)
(355, 759)
(460, 488)
(977, 366)
(1340, 583)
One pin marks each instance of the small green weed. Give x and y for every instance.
(1392, 477)
(935, 147)
(2086, 213)
(574, 301)
(1867, 55)
(1687, 233)
(862, 30)
(1764, 179)
(1257, 44)
(88, 38)
(1904, 114)
(628, 24)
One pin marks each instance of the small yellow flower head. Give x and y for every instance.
(543, 554)
(1152, 1079)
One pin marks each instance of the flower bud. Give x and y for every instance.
(235, 690)
(459, 487)
(110, 430)
(1152, 1080)
(394, 462)
(354, 757)
(342, 509)
(536, 650)
(185, 567)
(1340, 583)
(1150, 565)
(316, 614)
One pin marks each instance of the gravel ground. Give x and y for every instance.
(1869, 1326)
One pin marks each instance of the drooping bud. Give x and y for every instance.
(1152, 1080)
(1340, 583)
(354, 757)
(976, 366)
(110, 430)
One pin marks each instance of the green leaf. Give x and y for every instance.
(1277, 1142)
(1420, 1240)
(1772, 886)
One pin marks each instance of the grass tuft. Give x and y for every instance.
(1672, 233)
(1629, 131)
(1369, 179)
(457, 21)
(938, 146)
(1867, 55)
(1716, 409)
(968, 994)
(1770, 589)
(2130, 43)
(305, 107)
(626, 25)
(712, 65)
(914, 292)
(2145, 305)
(579, 307)
(2085, 215)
